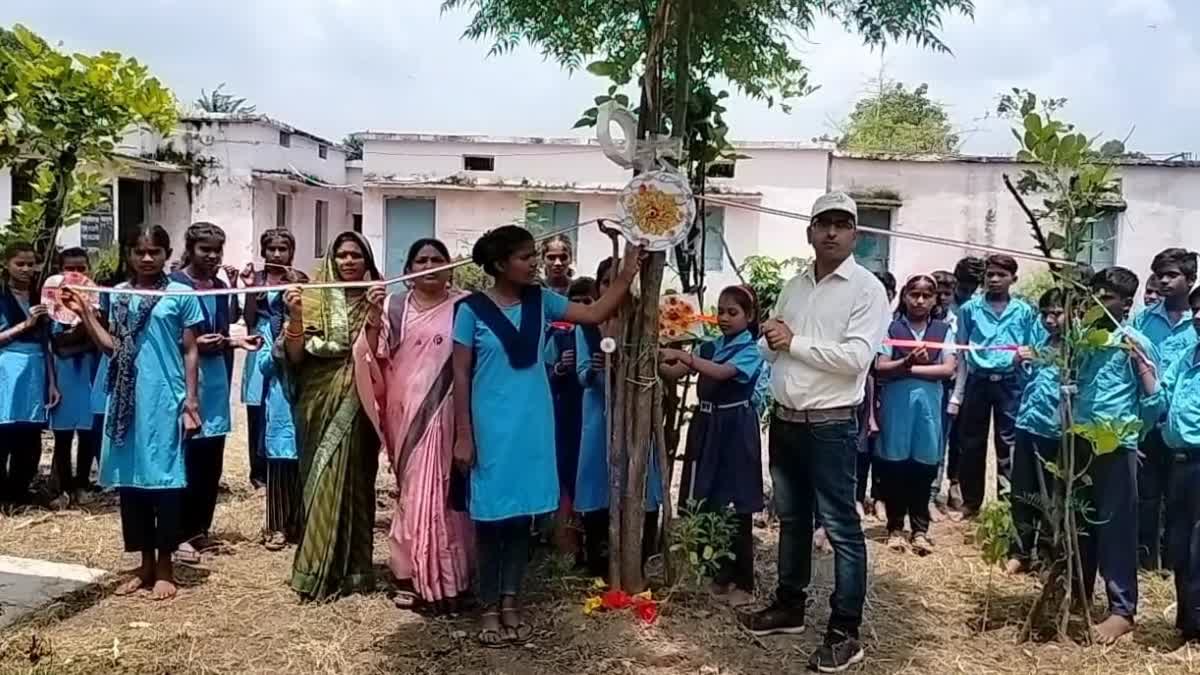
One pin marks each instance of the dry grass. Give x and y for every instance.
(235, 614)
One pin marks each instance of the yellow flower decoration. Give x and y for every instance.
(591, 604)
(599, 583)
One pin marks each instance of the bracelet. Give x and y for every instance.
(287, 333)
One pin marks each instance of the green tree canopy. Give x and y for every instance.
(223, 102)
(895, 119)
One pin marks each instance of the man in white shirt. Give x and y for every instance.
(828, 325)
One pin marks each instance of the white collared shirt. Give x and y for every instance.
(838, 326)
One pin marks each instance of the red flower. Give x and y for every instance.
(647, 610)
(616, 599)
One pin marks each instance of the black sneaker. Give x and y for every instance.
(774, 620)
(839, 652)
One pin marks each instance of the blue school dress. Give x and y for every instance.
(216, 368)
(515, 470)
(591, 480)
(910, 408)
(151, 454)
(22, 366)
(254, 387)
(75, 375)
(723, 458)
(100, 380)
(279, 428)
(568, 406)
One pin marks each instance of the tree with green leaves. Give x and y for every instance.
(224, 102)
(895, 119)
(672, 48)
(66, 113)
(354, 147)
(1074, 185)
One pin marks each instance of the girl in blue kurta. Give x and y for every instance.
(505, 415)
(204, 248)
(278, 249)
(911, 401)
(75, 358)
(723, 457)
(280, 449)
(153, 404)
(27, 386)
(591, 478)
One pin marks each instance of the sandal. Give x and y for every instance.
(491, 637)
(406, 600)
(520, 633)
(186, 554)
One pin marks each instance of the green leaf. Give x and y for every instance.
(603, 68)
(584, 122)
(622, 99)
(1033, 124)
(1098, 338)
(1094, 314)
(1056, 241)
(601, 100)
(1053, 470)
(694, 558)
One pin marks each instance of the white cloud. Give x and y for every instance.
(1151, 11)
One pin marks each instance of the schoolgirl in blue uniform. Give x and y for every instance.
(75, 360)
(27, 386)
(274, 460)
(911, 401)
(591, 478)
(561, 358)
(505, 415)
(204, 247)
(153, 404)
(723, 457)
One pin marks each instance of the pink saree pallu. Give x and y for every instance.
(410, 380)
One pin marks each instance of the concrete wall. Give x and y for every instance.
(1163, 211)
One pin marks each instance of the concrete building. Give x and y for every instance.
(456, 187)
(246, 173)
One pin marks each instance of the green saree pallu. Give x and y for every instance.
(339, 450)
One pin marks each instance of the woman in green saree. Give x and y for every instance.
(339, 446)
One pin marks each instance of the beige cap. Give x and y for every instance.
(835, 201)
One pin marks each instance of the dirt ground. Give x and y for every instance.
(236, 614)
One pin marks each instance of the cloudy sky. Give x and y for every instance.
(337, 66)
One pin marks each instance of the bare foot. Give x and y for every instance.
(739, 598)
(1014, 566)
(821, 541)
(935, 514)
(133, 585)
(880, 511)
(1112, 629)
(163, 590)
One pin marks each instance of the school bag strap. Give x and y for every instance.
(521, 346)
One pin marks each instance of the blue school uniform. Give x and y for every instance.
(1041, 393)
(978, 324)
(99, 397)
(513, 414)
(1181, 391)
(1171, 340)
(1109, 388)
(723, 458)
(216, 368)
(74, 374)
(910, 408)
(568, 406)
(151, 454)
(591, 481)
(22, 367)
(279, 432)
(254, 385)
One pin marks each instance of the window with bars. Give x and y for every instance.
(320, 228)
(1100, 249)
(282, 211)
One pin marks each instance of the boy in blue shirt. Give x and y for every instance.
(1181, 431)
(1039, 430)
(1118, 384)
(1168, 325)
(989, 390)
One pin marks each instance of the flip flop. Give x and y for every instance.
(491, 637)
(406, 600)
(186, 554)
(520, 633)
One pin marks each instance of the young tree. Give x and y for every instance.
(894, 119)
(669, 45)
(66, 113)
(223, 102)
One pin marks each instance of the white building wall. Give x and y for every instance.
(1163, 212)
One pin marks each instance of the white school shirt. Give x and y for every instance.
(838, 326)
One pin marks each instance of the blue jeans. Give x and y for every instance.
(813, 466)
(502, 555)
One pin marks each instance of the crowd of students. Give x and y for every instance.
(430, 374)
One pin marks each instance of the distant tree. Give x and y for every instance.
(354, 147)
(894, 119)
(223, 102)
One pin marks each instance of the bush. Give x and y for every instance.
(1031, 287)
(471, 278)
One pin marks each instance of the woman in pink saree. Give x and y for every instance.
(410, 380)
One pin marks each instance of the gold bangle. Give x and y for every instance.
(288, 334)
